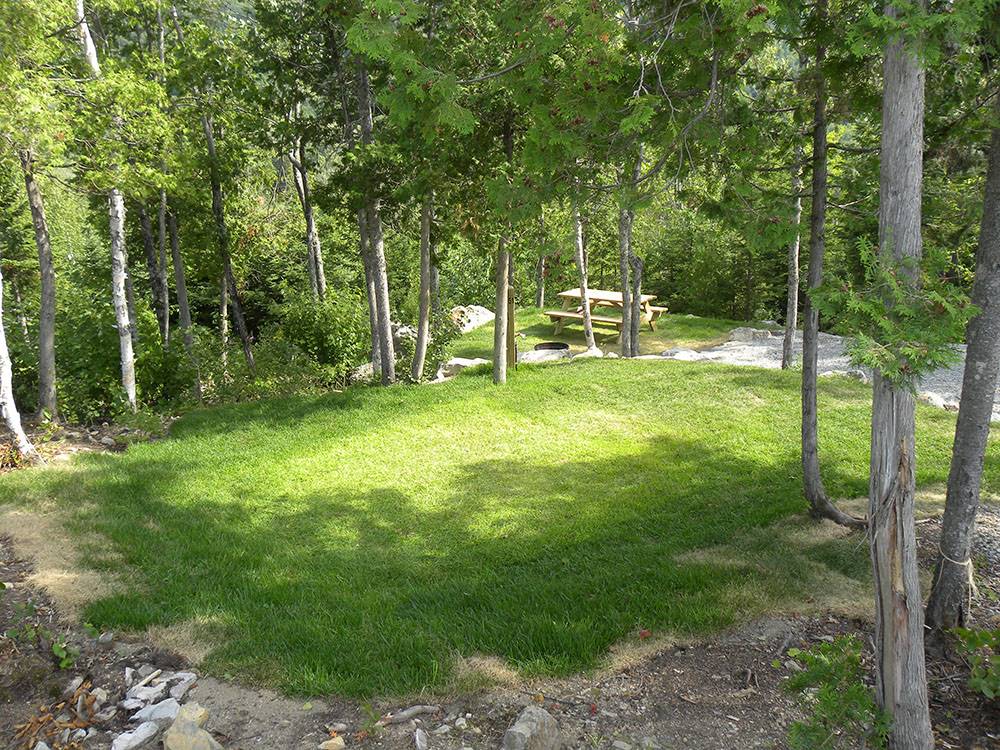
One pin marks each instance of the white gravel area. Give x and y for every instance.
(756, 347)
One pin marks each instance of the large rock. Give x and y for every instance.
(592, 353)
(402, 332)
(749, 335)
(535, 729)
(684, 355)
(470, 317)
(455, 365)
(186, 732)
(138, 737)
(542, 355)
(163, 712)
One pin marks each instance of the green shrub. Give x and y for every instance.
(842, 709)
(983, 650)
(334, 333)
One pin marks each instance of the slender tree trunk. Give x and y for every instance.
(222, 233)
(47, 402)
(130, 302)
(119, 257)
(376, 243)
(540, 266)
(224, 323)
(949, 595)
(500, 321)
(792, 306)
(183, 308)
(581, 267)
(635, 262)
(312, 233)
(424, 315)
(435, 284)
(22, 319)
(157, 281)
(163, 269)
(511, 328)
(8, 408)
(820, 505)
(370, 295)
(625, 219)
(119, 279)
(900, 675)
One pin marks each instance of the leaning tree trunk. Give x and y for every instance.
(500, 321)
(157, 277)
(47, 402)
(792, 306)
(317, 273)
(8, 408)
(183, 307)
(119, 259)
(424, 315)
(949, 595)
(222, 233)
(376, 243)
(819, 504)
(900, 675)
(635, 262)
(581, 267)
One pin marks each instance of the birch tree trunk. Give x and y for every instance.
(424, 315)
(819, 504)
(222, 233)
(47, 401)
(376, 244)
(317, 274)
(157, 277)
(581, 267)
(124, 317)
(500, 321)
(370, 294)
(948, 601)
(540, 266)
(625, 219)
(183, 307)
(162, 265)
(224, 324)
(8, 408)
(900, 675)
(792, 306)
(636, 319)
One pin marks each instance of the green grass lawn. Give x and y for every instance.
(671, 330)
(362, 542)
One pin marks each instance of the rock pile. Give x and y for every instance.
(153, 700)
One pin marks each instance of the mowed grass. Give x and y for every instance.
(362, 543)
(534, 327)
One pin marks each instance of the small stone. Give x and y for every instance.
(443, 729)
(339, 727)
(106, 639)
(106, 715)
(40, 745)
(334, 743)
(192, 713)
(137, 737)
(108, 441)
(535, 729)
(420, 739)
(178, 691)
(461, 722)
(79, 734)
(147, 693)
(163, 712)
(146, 670)
(186, 735)
(129, 677)
(73, 686)
(621, 745)
(100, 696)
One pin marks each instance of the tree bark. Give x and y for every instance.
(540, 265)
(157, 279)
(370, 294)
(119, 297)
(625, 219)
(317, 274)
(424, 314)
(900, 675)
(162, 264)
(500, 321)
(224, 324)
(8, 408)
(222, 233)
(792, 305)
(636, 318)
(581, 267)
(47, 401)
(22, 319)
(948, 601)
(183, 307)
(376, 243)
(819, 504)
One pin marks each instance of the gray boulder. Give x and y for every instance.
(455, 365)
(535, 729)
(470, 317)
(542, 355)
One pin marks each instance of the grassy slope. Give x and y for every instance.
(359, 542)
(671, 330)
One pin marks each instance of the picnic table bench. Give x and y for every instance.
(572, 308)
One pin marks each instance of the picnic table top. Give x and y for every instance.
(602, 295)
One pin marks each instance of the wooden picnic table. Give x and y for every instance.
(572, 308)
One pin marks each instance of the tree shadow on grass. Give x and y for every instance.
(376, 591)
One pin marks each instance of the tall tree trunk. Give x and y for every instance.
(8, 408)
(792, 304)
(376, 242)
(157, 281)
(946, 607)
(119, 278)
(119, 258)
(47, 402)
(581, 266)
(819, 504)
(224, 324)
(162, 265)
(130, 301)
(625, 219)
(900, 675)
(183, 307)
(635, 262)
(222, 233)
(500, 321)
(435, 284)
(424, 314)
(312, 233)
(370, 294)
(22, 319)
(540, 265)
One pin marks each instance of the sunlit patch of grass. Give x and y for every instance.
(366, 542)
